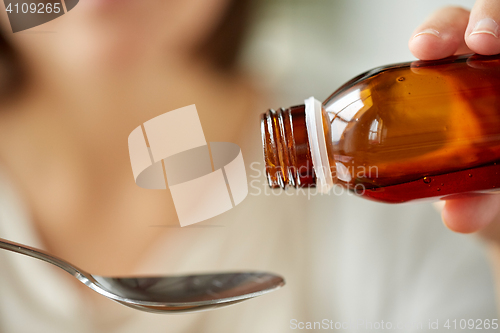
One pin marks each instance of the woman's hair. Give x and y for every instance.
(12, 73)
(221, 49)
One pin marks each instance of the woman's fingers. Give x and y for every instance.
(451, 31)
(471, 214)
(441, 35)
(454, 30)
(482, 34)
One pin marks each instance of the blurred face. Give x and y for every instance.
(117, 34)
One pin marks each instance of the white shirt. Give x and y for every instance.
(345, 259)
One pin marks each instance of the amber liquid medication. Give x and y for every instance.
(395, 133)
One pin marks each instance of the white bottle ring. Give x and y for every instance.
(317, 144)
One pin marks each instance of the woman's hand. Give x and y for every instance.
(450, 31)
(454, 30)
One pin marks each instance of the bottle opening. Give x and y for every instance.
(287, 153)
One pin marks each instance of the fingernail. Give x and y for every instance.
(427, 32)
(486, 26)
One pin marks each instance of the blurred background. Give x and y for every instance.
(309, 48)
(345, 259)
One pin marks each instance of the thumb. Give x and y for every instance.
(471, 213)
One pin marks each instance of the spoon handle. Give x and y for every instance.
(41, 255)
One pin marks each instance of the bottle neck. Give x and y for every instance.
(287, 153)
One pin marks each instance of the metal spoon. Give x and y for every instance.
(166, 294)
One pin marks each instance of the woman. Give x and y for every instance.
(92, 76)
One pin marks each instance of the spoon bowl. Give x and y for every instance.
(166, 294)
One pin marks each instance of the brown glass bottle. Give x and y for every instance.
(395, 133)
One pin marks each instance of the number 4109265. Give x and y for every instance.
(38, 8)
(472, 324)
